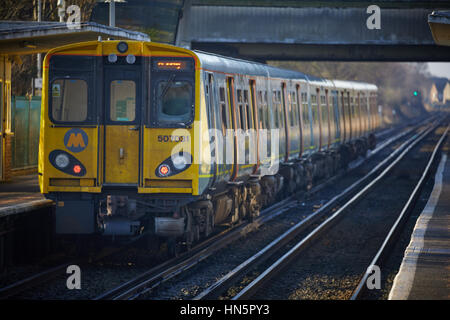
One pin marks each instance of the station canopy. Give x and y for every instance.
(27, 37)
(439, 22)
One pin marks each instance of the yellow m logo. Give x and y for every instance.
(76, 140)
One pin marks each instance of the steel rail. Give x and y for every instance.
(215, 290)
(171, 268)
(151, 279)
(36, 279)
(52, 272)
(119, 292)
(383, 251)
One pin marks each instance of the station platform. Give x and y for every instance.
(425, 270)
(21, 195)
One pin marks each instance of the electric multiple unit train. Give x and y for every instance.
(146, 137)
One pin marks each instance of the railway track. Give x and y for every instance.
(150, 280)
(358, 190)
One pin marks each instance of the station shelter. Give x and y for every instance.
(18, 38)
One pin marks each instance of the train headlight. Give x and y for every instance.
(112, 58)
(62, 161)
(179, 162)
(122, 47)
(131, 59)
(164, 170)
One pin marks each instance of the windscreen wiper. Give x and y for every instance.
(166, 88)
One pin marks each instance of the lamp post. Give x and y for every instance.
(112, 13)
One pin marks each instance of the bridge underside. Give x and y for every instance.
(326, 52)
(308, 33)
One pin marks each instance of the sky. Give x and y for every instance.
(439, 69)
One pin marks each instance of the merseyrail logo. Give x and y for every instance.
(76, 140)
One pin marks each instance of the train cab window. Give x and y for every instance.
(69, 100)
(174, 101)
(172, 95)
(123, 100)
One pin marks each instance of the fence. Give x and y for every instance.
(25, 115)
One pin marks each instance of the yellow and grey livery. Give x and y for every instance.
(132, 133)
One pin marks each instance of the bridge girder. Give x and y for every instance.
(307, 33)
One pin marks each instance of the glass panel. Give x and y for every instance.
(223, 109)
(123, 100)
(69, 100)
(174, 101)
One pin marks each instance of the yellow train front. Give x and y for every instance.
(117, 123)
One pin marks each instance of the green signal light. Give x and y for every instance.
(416, 93)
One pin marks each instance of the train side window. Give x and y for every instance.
(314, 108)
(275, 108)
(260, 110)
(324, 110)
(331, 114)
(69, 100)
(266, 110)
(223, 108)
(290, 110)
(248, 111)
(241, 110)
(305, 109)
(294, 108)
(123, 100)
(280, 109)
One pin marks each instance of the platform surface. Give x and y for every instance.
(20, 195)
(425, 270)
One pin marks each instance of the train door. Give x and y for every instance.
(348, 114)
(122, 121)
(1, 128)
(264, 125)
(299, 108)
(344, 124)
(315, 98)
(235, 125)
(307, 132)
(294, 124)
(331, 118)
(257, 118)
(279, 121)
(324, 135)
(337, 115)
(360, 113)
(227, 151)
(212, 122)
(286, 112)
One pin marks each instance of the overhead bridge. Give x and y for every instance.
(343, 31)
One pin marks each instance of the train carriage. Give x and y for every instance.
(145, 137)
